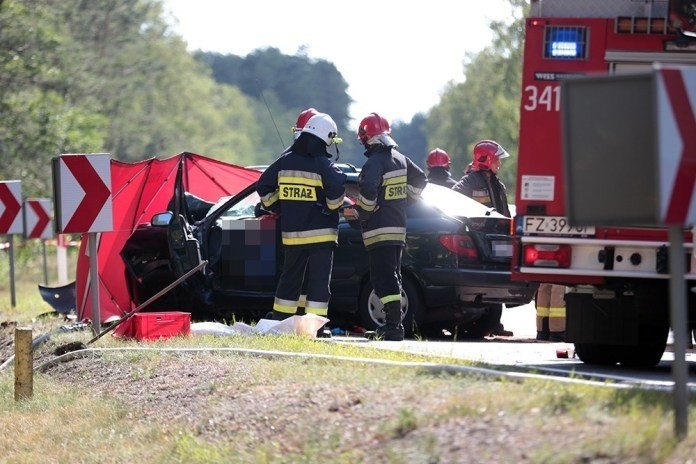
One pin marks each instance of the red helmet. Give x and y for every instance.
(485, 153)
(375, 129)
(438, 158)
(302, 119)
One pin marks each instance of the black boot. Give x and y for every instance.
(278, 316)
(543, 334)
(392, 330)
(324, 332)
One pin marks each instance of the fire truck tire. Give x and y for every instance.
(598, 354)
(651, 346)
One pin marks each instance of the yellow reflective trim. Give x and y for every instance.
(414, 192)
(390, 298)
(366, 206)
(309, 240)
(269, 199)
(395, 173)
(318, 312)
(542, 312)
(396, 192)
(559, 311)
(311, 233)
(300, 181)
(285, 306)
(320, 308)
(384, 238)
(394, 180)
(297, 193)
(335, 203)
(384, 230)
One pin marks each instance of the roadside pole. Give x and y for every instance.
(10, 251)
(62, 260)
(94, 282)
(677, 297)
(45, 261)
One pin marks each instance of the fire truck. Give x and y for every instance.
(616, 277)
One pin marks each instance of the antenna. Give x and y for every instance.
(263, 97)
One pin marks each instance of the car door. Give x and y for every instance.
(242, 244)
(184, 249)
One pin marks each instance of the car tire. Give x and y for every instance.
(371, 310)
(481, 327)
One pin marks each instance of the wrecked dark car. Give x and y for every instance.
(456, 265)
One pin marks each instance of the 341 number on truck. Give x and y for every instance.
(616, 277)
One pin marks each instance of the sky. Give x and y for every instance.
(396, 56)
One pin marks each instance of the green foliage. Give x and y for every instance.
(412, 139)
(486, 104)
(80, 76)
(284, 86)
(297, 82)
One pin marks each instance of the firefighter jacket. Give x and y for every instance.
(488, 190)
(307, 188)
(441, 176)
(388, 182)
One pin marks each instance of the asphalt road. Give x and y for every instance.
(522, 350)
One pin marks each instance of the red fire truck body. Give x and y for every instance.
(616, 278)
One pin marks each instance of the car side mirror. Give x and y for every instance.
(162, 219)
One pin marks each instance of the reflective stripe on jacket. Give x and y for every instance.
(307, 189)
(489, 191)
(388, 181)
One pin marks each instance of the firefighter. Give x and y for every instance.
(307, 188)
(388, 181)
(481, 182)
(302, 119)
(551, 312)
(438, 163)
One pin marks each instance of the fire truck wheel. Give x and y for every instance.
(652, 341)
(599, 354)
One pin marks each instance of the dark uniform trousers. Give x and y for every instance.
(315, 265)
(385, 272)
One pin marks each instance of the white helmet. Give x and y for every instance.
(322, 126)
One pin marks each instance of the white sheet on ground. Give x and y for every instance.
(306, 325)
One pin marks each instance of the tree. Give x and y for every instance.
(412, 138)
(81, 76)
(486, 104)
(37, 118)
(283, 86)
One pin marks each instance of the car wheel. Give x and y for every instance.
(371, 309)
(482, 326)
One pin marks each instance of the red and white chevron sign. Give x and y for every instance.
(37, 218)
(10, 207)
(82, 185)
(676, 106)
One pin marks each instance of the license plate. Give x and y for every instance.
(501, 249)
(553, 225)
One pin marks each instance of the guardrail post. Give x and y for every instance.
(24, 364)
